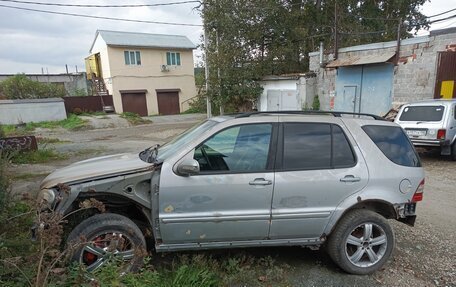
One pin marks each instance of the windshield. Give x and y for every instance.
(179, 142)
(422, 114)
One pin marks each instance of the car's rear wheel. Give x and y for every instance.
(453, 151)
(106, 237)
(362, 242)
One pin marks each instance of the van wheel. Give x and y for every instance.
(362, 242)
(105, 237)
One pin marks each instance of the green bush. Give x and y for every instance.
(197, 105)
(21, 87)
(316, 103)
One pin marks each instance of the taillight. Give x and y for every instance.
(441, 134)
(418, 196)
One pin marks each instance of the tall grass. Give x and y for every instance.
(73, 122)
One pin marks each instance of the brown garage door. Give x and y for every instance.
(135, 103)
(445, 84)
(168, 103)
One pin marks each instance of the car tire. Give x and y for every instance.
(453, 151)
(352, 250)
(102, 237)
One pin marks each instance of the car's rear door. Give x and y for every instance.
(230, 199)
(318, 166)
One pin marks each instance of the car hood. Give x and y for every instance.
(94, 168)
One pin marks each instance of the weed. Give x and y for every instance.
(37, 156)
(73, 122)
(134, 119)
(193, 110)
(12, 130)
(316, 103)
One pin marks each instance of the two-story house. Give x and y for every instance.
(147, 74)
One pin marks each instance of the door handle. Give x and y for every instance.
(350, 178)
(260, 181)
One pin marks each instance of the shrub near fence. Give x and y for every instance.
(87, 103)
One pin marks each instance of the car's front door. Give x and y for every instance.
(230, 199)
(317, 168)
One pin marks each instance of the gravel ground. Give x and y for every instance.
(425, 255)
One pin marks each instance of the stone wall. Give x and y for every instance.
(414, 76)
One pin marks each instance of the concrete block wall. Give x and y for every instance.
(13, 112)
(414, 76)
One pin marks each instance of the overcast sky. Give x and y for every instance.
(30, 41)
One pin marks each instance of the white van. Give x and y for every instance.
(430, 124)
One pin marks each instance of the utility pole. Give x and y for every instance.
(398, 47)
(206, 66)
(222, 111)
(336, 36)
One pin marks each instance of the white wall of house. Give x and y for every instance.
(99, 46)
(286, 93)
(13, 112)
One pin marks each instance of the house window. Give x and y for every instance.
(132, 58)
(173, 58)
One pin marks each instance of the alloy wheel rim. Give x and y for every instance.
(366, 245)
(104, 247)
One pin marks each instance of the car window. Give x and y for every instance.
(422, 113)
(394, 144)
(306, 146)
(176, 145)
(242, 148)
(343, 153)
(311, 146)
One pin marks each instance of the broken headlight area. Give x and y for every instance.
(49, 198)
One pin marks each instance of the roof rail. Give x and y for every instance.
(334, 113)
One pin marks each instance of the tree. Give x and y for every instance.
(249, 39)
(21, 87)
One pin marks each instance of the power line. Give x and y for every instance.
(445, 12)
(101, 6)
(102, 17)
(442, 19)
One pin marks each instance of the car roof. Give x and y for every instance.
(432, 102)
(303, 114)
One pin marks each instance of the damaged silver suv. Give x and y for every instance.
(257, 179)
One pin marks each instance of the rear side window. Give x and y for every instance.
(343, 154)
(315, 146)
(422, 113)
(394, 144)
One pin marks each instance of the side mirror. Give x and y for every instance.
(188, 167)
